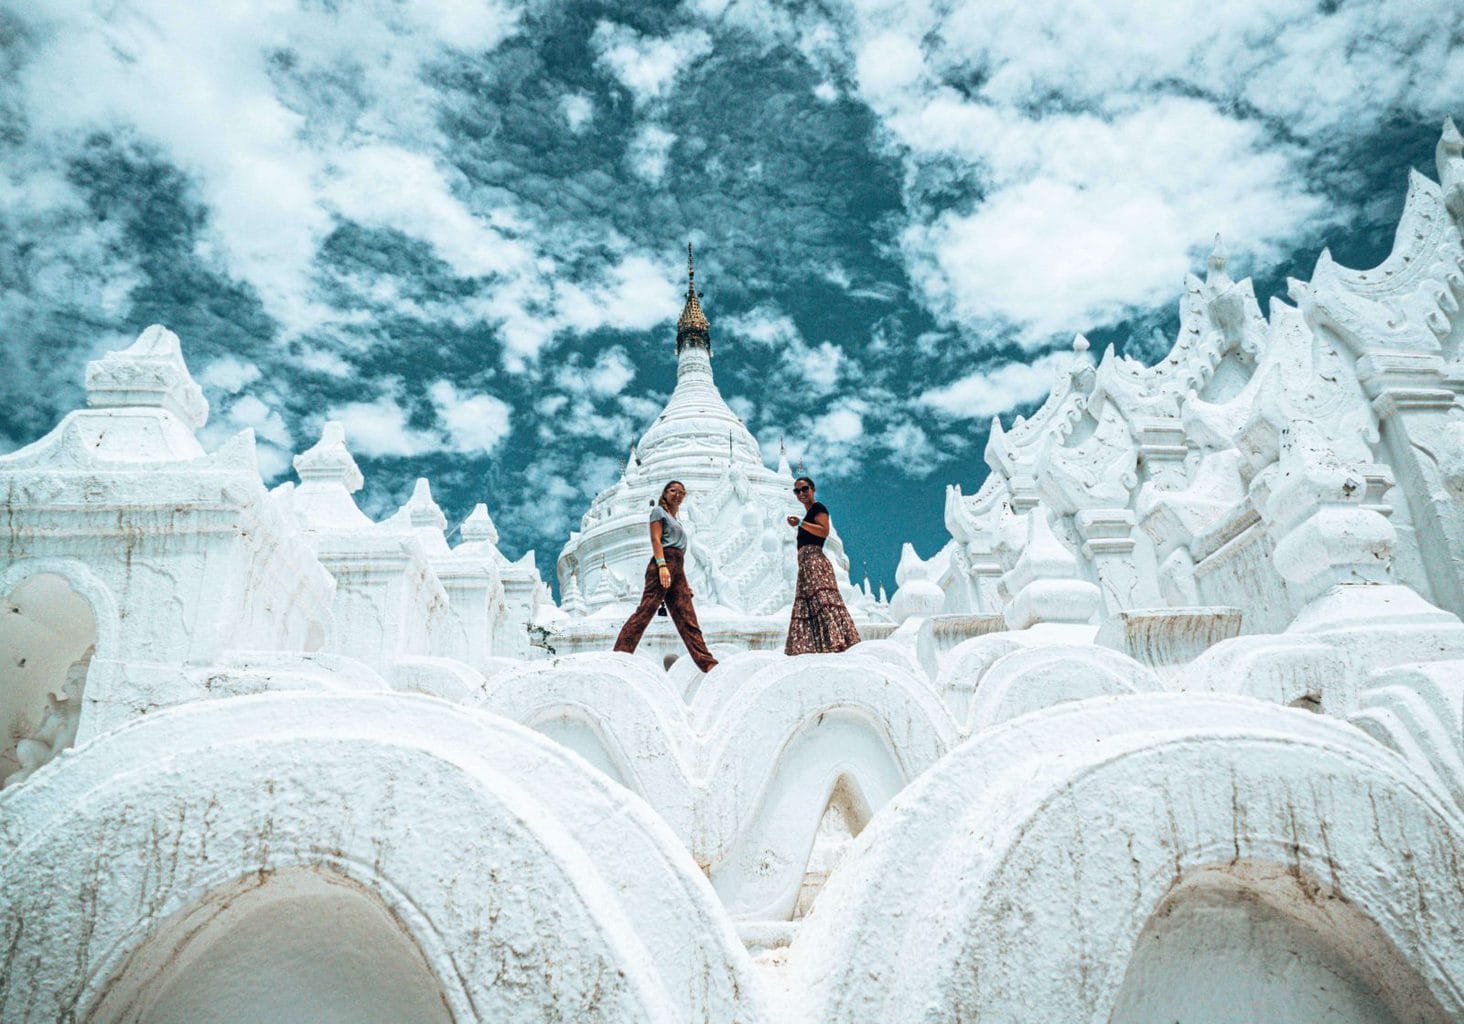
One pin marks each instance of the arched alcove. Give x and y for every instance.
(1253, 942)
(304, 947)
(844, 817)
(47, 630)
(1226, 848)
(573, 729)
(831, 773)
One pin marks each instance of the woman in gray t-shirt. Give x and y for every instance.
(666, 581)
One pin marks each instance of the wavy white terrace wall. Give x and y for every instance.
(1029, 862)
(747, 773)
(488, 843)
(297, 947)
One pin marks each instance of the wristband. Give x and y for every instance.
(661, 562)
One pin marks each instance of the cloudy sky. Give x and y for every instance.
(459, 227)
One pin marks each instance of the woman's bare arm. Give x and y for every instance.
(818, 525)
(664, 572)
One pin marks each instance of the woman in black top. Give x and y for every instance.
(820, 621)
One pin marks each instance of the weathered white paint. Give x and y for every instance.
(265, 758)
(1069, 830)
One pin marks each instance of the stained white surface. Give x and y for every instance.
(1172, 728)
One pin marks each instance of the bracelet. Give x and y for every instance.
(661, 562)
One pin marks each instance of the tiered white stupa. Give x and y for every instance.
(742, 560)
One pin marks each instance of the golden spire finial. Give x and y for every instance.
(692, 325)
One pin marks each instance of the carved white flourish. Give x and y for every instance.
(1410, 301)
(1095, 468)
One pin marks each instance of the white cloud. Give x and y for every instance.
(379, 428)
(476, 424)
(634, 294)
(579, 111)
(762, 325)
(1313, 66)
(612, 371)
(201, 81)
(387, 186)
(986, 393)
(817, 365)
(911, 450)
(743, 406)
(229, 374)
(557, 489)
(649, 153)
(1088, 219)
(549, 405)
(1103, 145)
(645, 65)
(322, 361)
(833, 442)
(249, 411)
(889, 62)
(815, 368)
(840, 426)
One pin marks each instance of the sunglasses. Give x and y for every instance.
(800, 490)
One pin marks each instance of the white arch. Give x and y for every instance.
(1245, 941)
(84, 581)
(721, 683)
(268, 950)
(1039, 847)
(486, 841)
(447, 678)
(50, 646)
(771, 758)
(1279, 668)
(966, 664)
(1418, 710)
(612, 710)
(1032, 678)
(899, 652)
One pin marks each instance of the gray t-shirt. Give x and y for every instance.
(672, 535)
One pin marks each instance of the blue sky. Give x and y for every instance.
(461, 227)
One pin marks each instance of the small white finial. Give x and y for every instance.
(148, 373)
(329, 460)
(421, 509)
(478, 527)
(1218, 256)
(1080, 344)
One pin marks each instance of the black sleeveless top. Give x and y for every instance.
(804, 537)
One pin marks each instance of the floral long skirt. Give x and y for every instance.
(820, 621)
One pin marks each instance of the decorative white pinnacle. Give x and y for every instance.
(329, 461)
(148, 373)
(478, 528)
(422, 510)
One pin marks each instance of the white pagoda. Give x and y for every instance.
(741, 562)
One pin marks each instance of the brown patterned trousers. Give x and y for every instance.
(678, 604)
